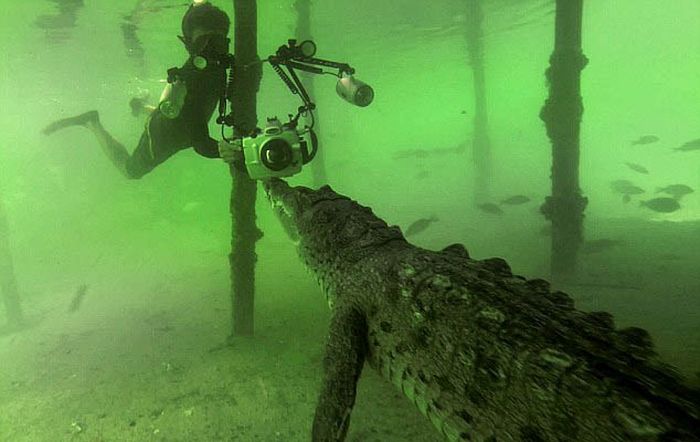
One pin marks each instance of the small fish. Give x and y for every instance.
(420, 225)
(688, 146)
(490, 208)
(460, 148)
(77, 299)
(625, 187)
(408, 153)
(677, 191)
(637, 167)
(546, 230)
(422, 175)
(425, 153)
(663, 205)
(516, 200)
(645, 139)
(627, 197)
(620, 185)
(600, 245)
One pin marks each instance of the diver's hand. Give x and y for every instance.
(139, 103)
(231, 152)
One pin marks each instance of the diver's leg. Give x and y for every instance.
(114, 150)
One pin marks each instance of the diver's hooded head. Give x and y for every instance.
(204, 29)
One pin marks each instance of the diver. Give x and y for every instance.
(195, 94)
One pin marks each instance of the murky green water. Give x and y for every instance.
(141, 359)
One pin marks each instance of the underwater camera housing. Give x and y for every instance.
(281, 150)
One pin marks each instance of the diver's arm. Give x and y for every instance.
(200, 140)
(207, 148)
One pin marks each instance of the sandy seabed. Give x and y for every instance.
(145, 357)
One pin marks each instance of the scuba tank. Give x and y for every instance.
(173, 98)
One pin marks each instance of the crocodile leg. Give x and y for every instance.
(346, 350)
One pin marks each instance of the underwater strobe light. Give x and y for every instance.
(354, 91)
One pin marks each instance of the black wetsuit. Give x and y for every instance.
(164, 137)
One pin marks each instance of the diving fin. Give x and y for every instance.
(78, 120)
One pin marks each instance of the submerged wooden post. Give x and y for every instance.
(481, 144)
(562, 116)
(8, 281)
(244, 232)
(303, 32)
(130, 26)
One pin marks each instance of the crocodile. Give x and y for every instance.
(484, 354)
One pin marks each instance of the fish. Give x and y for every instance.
(677, 191)
(425, 153)
(620, 185)
(625, 187)
(422, 175)
(600, 245)
(77, 299)
(663, 205)
(637, 168)
(419, 226)
(689, 145)
(645, 139)
(633, 190)
(460, 148)
(516, 200)
(490, 208)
